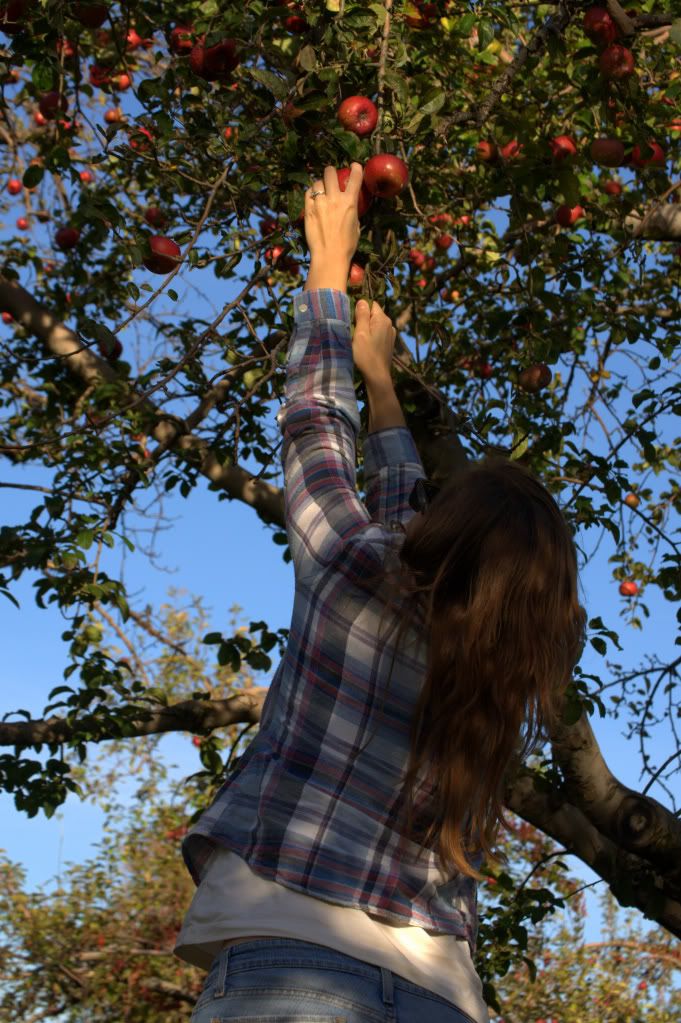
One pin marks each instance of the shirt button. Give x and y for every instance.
(303, 308)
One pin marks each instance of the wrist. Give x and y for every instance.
(328, 272)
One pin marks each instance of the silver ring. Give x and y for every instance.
(314, 195)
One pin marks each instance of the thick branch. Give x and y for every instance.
(661, 224)
(634, 822)
(624, 23)
(187, 716)
(630, 879)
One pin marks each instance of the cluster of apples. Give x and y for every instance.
(212, 63)
(615, 61)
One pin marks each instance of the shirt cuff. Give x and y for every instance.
(321, 304)
(392, 446)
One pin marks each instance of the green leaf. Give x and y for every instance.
(307, 58)
(675, 32)
(212, 637)
(42, 77)
(537, 280)
(569, 186)
(599, 644)
(33, 176)
(465, 24)
(276, 85)
(485, 34)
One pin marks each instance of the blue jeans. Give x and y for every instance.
(283, 980)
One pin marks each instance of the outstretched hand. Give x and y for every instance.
(331, 220)
(373, 342)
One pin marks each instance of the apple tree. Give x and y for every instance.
(520, 224)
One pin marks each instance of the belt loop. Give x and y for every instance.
(222, 973)
(387, 979)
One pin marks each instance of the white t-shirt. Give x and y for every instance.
(439, 962)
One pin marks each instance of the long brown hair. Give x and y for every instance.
(491, 574)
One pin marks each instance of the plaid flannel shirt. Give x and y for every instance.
(312, 803)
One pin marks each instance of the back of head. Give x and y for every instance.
(494, 563)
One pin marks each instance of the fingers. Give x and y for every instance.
(330, 181)
(316, 186)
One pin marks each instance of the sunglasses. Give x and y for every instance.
(422, 494)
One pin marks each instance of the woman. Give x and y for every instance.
(337, 867)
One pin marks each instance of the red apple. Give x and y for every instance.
(196, 741)
(599, 26)
(608, 152)
(165, 254)
(14, 186)
(268, 226)
(141, 140)
(121, 82)
(562, 148)
(566, 216)
(628, 588)
(512, 150)
(113, 116)
(51, 103)
(632, 500)
(385, 175)
(67, 237)
(443, 241)
(155, 217)
(365, 197)
(273, 254)
(616, 62)
(356, 275)
(229, 131)
(214, 63)
(39, 119)
(442, 218)
(487, 152)
(100, 76)
(66, 47)
(417, 257)
(110, 350)
(134, 41)
(612, 188)
(295, 23)
(656, 157)
(90, 15)
(358, 114)
(87, 177)
(535, 378)
(22, 224)
(483, 369)
(180, 42)
(13, 16)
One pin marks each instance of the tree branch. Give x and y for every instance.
(268, 501)
(631, 880)
(634, 822)
(187, 716)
